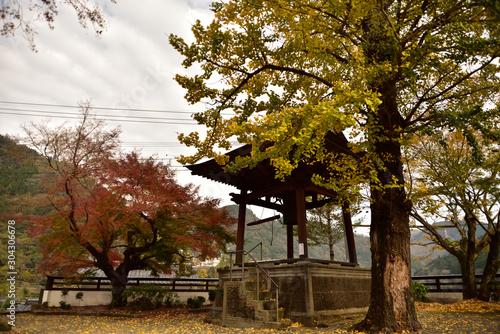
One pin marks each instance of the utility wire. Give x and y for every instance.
(107, 108)
(158, 121)
(100, 108)
(101, 115)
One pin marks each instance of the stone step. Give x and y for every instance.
(269, 315)
(266, 305)
(263, 295)
(241, 323)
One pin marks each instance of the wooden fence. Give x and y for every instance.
(444, 283)
(104, 284)
(437, 283)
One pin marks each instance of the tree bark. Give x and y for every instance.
(491, 268)
(391, 307)
(391, 303)
(468, 277)
(469, 285)
(117, 299)
(118, 276)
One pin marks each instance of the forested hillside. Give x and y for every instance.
(21, 176)
(439, 261)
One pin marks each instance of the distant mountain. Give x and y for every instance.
(21, 175)
(273, 238)
(439, 261)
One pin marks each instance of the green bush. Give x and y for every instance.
(419, 292)
(79, 296)
(64, 305)
(196, 302)
(150, 296)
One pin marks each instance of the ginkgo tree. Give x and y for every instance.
(457, 182)
(118, 212)
(367, 72)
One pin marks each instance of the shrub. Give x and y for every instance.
(196, 302)
(79, 296)
(150, 296)
(45, 305)
(64, 292)
(64, 305)
(419, 292)
(172, 300)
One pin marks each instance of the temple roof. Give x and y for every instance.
(261, 179)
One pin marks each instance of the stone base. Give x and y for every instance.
(307, 291)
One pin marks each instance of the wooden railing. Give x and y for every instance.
(444, 283)
(103, 283)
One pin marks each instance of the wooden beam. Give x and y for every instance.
(266, 204)
(262, 221)
(270, 191)
(289, 241)
(240, 233)
(318, 204)
(301, 222)
(320, 190)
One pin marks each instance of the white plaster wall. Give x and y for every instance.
(92, 298)
(183, 296)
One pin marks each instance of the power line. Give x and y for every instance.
(99, 108)
(103, 115)
(106, 108)
(158, 121)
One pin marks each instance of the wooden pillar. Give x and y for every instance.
(289, 218)
(301, 222)
(289, 241)
(349, 234)
(240, 232)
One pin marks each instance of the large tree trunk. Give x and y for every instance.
(491, 268)
(117, 298)
(469, 290)
(468, 277)
(391, 307)
(118, 276)
(391, 303)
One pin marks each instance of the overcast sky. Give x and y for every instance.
(130, 67)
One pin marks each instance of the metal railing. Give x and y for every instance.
(259, 268)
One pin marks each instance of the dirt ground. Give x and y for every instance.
(463, 317)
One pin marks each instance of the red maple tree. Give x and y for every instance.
(119, 212)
